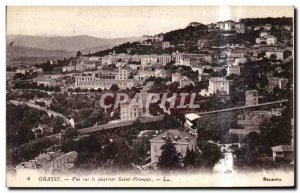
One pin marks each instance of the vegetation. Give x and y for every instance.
(170, 158)
(20, 121)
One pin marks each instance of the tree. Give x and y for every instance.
(247, 154)
(114, 88)
(78, 54)
(77, 89)
(140, 149)
(57, 124)
(277, 131)
(116, 154)
(273, 57)
(41, 86)
(211, 154)
(189, 159)
(170, 159)
(223, 72)
(70, 133)
(57, 89)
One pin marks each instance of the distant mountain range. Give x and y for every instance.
(19, 51)
(59, 46)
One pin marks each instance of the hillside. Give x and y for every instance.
(16, 55)
(69, 43)
(188, 35)
(185, 35)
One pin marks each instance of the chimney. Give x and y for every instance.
(176, 138)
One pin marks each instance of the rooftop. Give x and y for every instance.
(283, 148)
(177, 136)
(192, 116)
(218, 79)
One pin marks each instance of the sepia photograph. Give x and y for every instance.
(150, 96)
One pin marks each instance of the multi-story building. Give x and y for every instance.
(109, 59)
(134, 109)
(240, 27)
(47, 163)
(47, 80)
(283, 153)
(185, 81)
(103, 79)
(277, 53)
(234, 69)
(229, 25)
(22, 70)
(251, 97)
(132, 83)
(273, 82)
(218, 84)
(165, 44)
(180, 139)
(263, 34)
(203, 77)
(164, 59)
(194, 24)
(148, 60)
(271, 40)
(266, 39)
(10, 75)
(176, 77)
(203, 43)
(160, 73)
(267, 27)
(221, 25)
(192, 59)
(154, 59)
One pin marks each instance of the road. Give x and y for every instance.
(49, 112)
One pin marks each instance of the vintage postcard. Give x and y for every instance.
(150, 96)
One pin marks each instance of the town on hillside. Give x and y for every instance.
(237, 74)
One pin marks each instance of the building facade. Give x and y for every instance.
(218, 84)
(251, 97)
(180, 139)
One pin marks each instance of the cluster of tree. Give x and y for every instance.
(189, 33)
(134, 47)
(215, 126)
(48, 67)
(77, 89)
(21, 120)
(213, 73)
(33, 85)
(268, 20)
(28, 150)
(27, 95)
(208, 155)
(276, 131)
(27, 76)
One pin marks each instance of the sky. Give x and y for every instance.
(115, 22)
